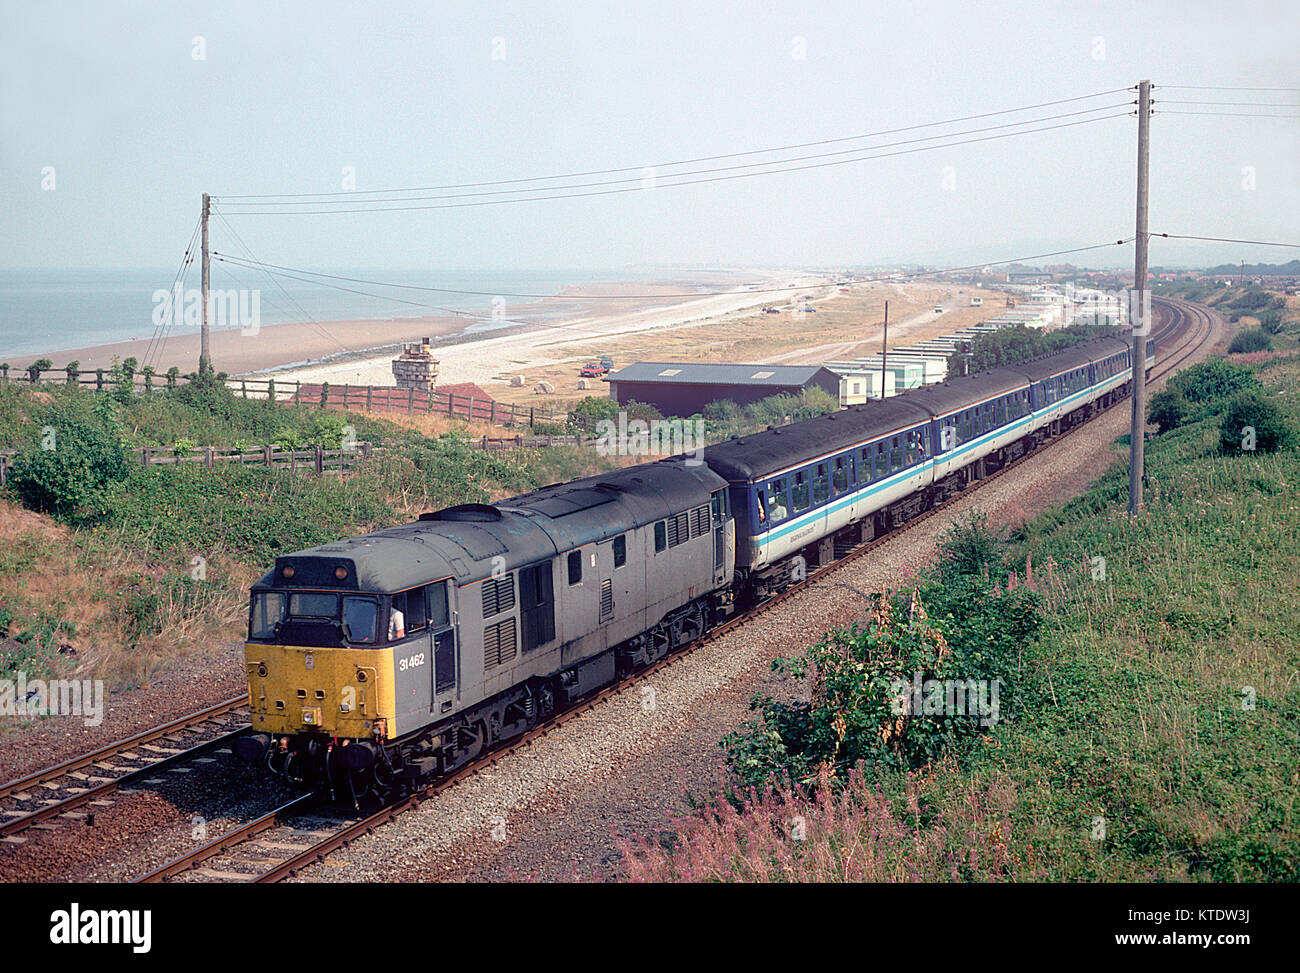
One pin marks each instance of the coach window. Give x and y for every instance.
(821, 485)
(661, 537)
(882, 460)
(799, 495)
(865, 475)
(896, 454)
(777, 509)
(620, 550)
(575, 567)
(841, 474)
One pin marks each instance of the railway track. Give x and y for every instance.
(294, 831)
(72, 791)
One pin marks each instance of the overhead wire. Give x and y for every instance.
(668, 185)
(693, 161)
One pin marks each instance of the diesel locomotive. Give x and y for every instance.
(378, 662)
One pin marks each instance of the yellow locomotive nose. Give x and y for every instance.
(338, 692)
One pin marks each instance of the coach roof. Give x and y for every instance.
(755, 456)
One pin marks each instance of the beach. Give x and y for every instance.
(547, 340)
(361, 351)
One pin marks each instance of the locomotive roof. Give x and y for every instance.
(462, 542)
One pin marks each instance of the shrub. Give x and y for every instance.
(35, 368)
(1248, 340)
(1168, 409)
(1212, 380)
(969, 549)
(863, 682)
(1252, 423)
(79, 454)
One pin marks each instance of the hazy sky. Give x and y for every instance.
(285, 100)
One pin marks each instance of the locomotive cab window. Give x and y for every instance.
(575, 562)
(417, 616)
(267, 614)
(620, 550)
(436, 605)
(313, 605)
(661, 537)
(361, 620)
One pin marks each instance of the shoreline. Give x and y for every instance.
(316, 345)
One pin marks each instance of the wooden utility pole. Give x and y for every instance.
(1139, 311)
(205, 356)
(884, 352)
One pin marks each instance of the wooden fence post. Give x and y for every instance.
(320, 460)
(369, 390)
(266, 454)
(410, 400)
(492, 412)
(207, 456)
(144, 456)
(365, 450)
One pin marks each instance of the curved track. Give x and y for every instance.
(1184, 329)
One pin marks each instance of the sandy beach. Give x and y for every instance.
(607, 312)
(360, 351)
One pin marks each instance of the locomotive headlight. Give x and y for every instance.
(261, 671)
(341, 573)
(286, 571)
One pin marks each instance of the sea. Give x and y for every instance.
(45, 311)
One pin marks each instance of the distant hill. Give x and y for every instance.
(1276, 270)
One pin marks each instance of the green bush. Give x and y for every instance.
(1168, 409)
(1248, 340)
(78, 454)
(1252, 423)
(1213, 380)
(863, 682)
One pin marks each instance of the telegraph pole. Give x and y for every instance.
(1138, 309)
(205, 357)
(884, 352)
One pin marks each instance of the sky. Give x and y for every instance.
(116, 117)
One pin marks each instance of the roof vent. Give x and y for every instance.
(466, 513)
